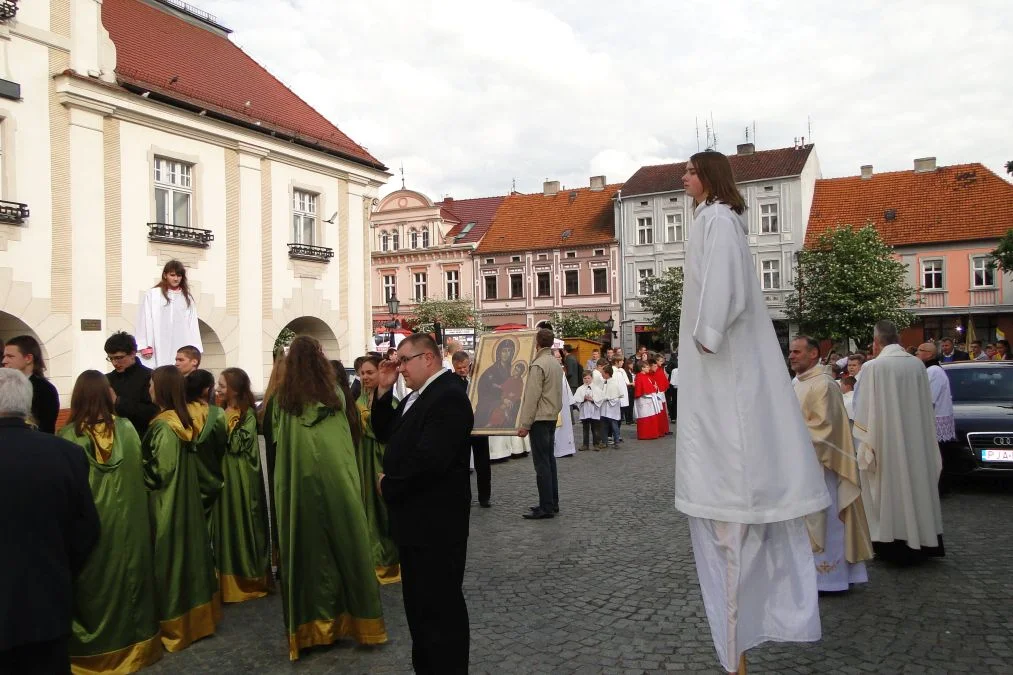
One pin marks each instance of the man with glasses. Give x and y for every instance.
(130, 380)
(427, 487)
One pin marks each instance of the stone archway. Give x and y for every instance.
(316, 328)
(11, 326)
(213, 357)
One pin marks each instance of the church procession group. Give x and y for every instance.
(157, 501)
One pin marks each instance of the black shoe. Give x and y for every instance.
(537, 515)
(539, 508)
(484, 503)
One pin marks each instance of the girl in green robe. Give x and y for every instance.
(211, 438)
(115, 628)
(328, 585)
(370, 460)
(240, 514)
(186, 590)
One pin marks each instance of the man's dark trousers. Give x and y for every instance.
(673, 402)
(543, 438)
(483, 470)
(435, 608)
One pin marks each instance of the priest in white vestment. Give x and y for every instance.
(897, 452)
(939, 387)
(745, 470)
(846, 536)
(565, 444)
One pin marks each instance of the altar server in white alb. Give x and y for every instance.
(167, 319)
(898, 455)
(846, 539)
(745, 470)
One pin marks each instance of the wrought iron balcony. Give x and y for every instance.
(177, 234)
(8, 9)
(13, 213)
(307, 252)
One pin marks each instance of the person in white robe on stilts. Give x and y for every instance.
(745, 470)
(167, 318)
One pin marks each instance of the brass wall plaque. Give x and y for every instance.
(91, 324)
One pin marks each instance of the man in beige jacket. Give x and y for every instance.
(540, 406)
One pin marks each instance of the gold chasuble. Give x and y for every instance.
(186, 589)
(827, 419)
(115, 627)
(242, 549)
(328, 583)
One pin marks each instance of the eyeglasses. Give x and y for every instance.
(403, 361)
(118, 358)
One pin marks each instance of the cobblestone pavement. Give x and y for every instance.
(609, 586)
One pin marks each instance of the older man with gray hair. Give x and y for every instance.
(898, 455)
(49, 527)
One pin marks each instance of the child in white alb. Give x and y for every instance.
(589, 413)
(611, 406)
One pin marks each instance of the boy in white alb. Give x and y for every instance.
(589, 411)
(611, 407)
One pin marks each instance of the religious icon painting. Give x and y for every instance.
(497, 386)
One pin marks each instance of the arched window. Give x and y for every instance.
(395, 240)
(413, 238)
(384, 240)
(425, 238)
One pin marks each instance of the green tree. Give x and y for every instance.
(846, 283)
(576, 325)
(284, 339)
(1003, 254)
(459, 313)
(663, 300)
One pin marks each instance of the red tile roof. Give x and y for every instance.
(579, 217)
(760, 165)
(963, 202)
(464, 211)
(180, 61)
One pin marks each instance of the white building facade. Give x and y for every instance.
(654, 219)
(116, 179)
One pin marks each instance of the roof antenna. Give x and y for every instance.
(714, 133)
(513, 185)
(754, 132)
(810, 118)
(697, 118)
(402, 174)
(747, 134)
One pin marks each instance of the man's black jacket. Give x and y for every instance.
(133, 400)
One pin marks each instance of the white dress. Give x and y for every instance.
(565, 443)
(745, 471)
(833, 571)
(166, 326)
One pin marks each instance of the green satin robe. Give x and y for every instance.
(242, 549)
(212, 440)
(115, 627)
(329, 588)
(185, 585)
(370, 461)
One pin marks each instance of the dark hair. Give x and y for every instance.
(239, 386)
(947, 339)
(91, 403)
(190, 352)
(976, 342)
(1005, 343)
(170, 394)
(607, 370)
(196, 384)
(460, 357)
(569, 349)
(637, 367)
(390, 351)
(370, 358)
(586, 373)
(849, 380)
(29, 346)
(544, 338)
(601, 362)
(358, 362)
(121, 341)
(717, 179)
(351, 410)
(174, 266)
(308, 378)
(810, 342)
(424, 343)
(857, 357)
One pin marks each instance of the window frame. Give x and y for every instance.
(643, 274)
(453, 285)
(566, 281)
(309, 211)
(985, 270)
(420, 280)
(770, 223)
(413, 239)
(391, 286)
(425, 237)
(645, 230)
(548, 284)
(941, 272)
(493, 285)
(172, 188)
(384, 241)
(519, 279)
(395, 239)
(774, 273)
(603, 272)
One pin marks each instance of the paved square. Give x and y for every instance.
(609, 586)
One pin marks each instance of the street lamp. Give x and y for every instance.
(393, 304)
(608, 325)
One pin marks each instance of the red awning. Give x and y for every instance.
(510, 326)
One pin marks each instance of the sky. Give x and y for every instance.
(474, 98)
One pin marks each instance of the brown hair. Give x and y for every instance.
(190, 352)
(174, 266)
(717, 179)
(308, 378)
(273, 382)
(198, 386)
(91, 403)
(238, 383)
(29, 346)
(351, 410)
(544, 338)
(170, 393)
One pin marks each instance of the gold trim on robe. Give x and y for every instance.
(241, 589)
(389, 574)
(127, 660)
(199, 622)
(328, 631)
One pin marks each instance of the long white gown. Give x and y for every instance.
(166, 326)
(565, 444)
(833, 571)
(745, 472)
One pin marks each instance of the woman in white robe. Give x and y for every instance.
(167, 319)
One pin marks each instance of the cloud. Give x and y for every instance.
(473, 96)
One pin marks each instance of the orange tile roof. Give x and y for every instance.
(578, 217)
(963, 202)
(759, 165)
(178, 61)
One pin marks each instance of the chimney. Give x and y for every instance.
(448, 198)
(745, 149)
(597, 183)
(925, 165)
(550, 188)
(866, 171)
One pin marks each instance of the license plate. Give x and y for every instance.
(996, 455)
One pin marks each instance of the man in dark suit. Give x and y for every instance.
(947, 354)
(49, 527)
(129, 380)
(427, 488)
(479, 444)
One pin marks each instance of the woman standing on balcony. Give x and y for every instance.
(167, 319)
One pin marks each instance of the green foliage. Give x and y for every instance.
(846, 283)
(663, 301)
(1003, 253)
(284, 339)
(458, 313)
(576, 325)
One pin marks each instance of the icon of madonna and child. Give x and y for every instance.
(500, 376)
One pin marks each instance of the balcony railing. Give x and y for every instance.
(932, 298)
(984, 296)
(177, 234)
(13, 213)
(8, 9)
(307, 252)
